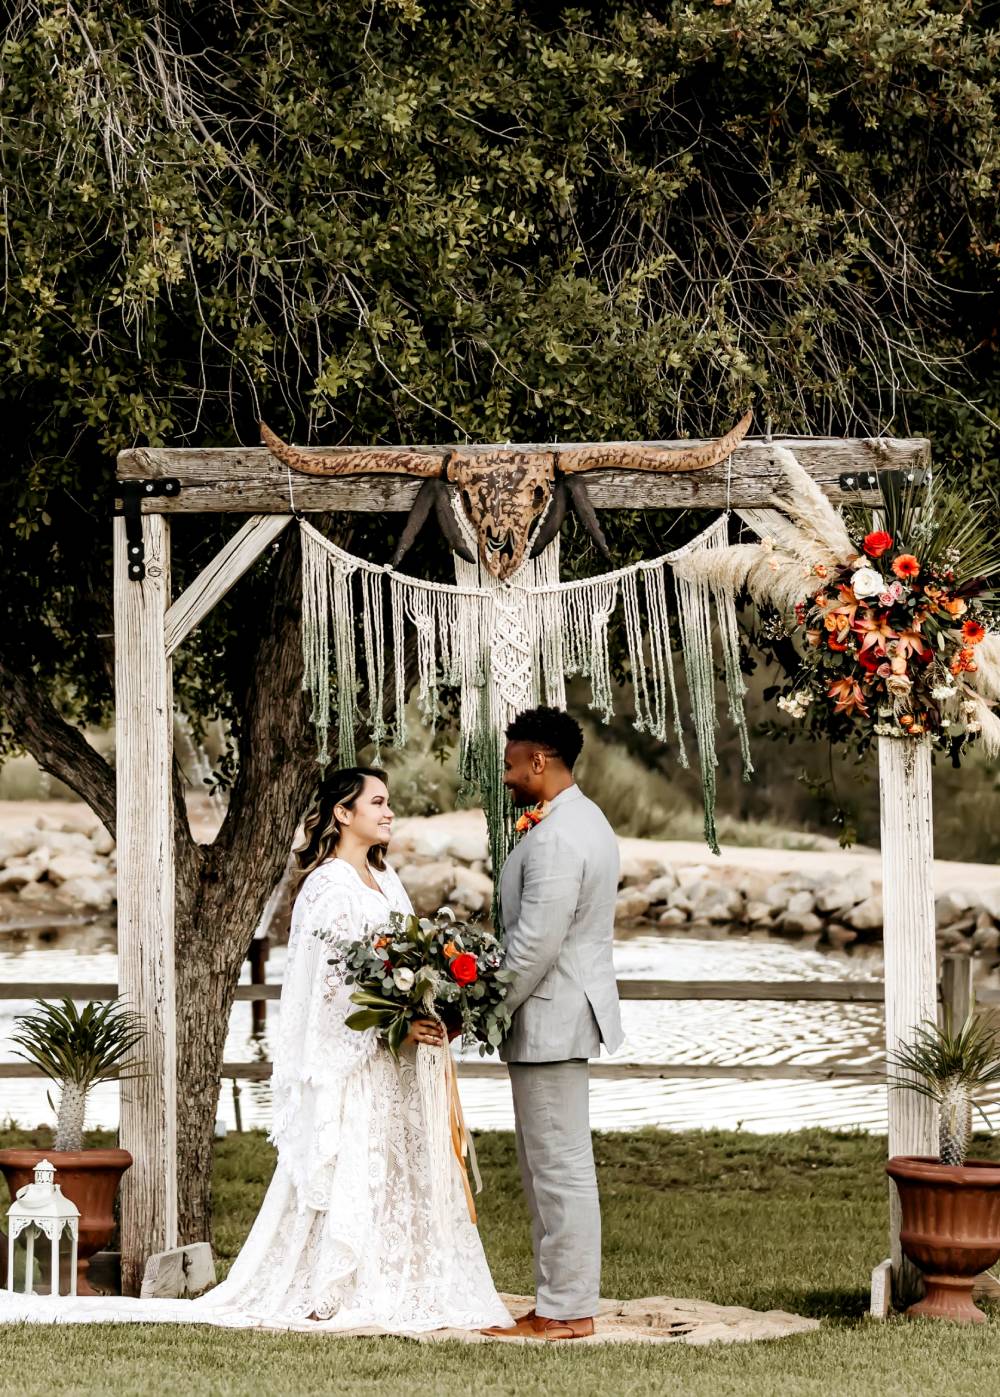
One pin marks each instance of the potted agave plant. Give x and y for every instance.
(951, 1204)
(77, 1049)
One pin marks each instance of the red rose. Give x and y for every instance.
(464, 969)
(870, 660)
(877, 543)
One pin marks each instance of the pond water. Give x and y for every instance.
(695, 1031)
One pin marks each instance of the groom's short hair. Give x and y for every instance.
(552, 730)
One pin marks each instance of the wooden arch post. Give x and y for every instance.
(149, 627)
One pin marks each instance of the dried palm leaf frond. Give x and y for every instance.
(772, 578)
(989, 725)
(986, 677)
(802, 499)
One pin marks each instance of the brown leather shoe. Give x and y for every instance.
(535, 1326)
(555, 1329)
(523, 1328)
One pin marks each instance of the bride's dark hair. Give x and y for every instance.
(321, 826)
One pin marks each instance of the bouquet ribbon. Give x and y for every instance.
(461, 1140)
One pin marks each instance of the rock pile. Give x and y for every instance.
(51, 864)
(445, 860)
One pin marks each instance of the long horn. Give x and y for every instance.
(353, 460)
(640, 458)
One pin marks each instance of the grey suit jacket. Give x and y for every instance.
(557, 902)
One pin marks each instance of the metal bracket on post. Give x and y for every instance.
(856, 481)
(131, 493)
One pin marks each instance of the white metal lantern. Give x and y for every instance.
(41, 1209)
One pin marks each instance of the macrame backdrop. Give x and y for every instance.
(510, 645)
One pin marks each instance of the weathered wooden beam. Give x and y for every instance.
(248, 480)
(616, 1071)
(648, 1071)
(909, 948)
(144, 723)
(222, 573)
(787, 991)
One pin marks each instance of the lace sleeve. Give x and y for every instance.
(318, 1045)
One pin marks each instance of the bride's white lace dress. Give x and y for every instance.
(354, 1228)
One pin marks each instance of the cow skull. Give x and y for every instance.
(504, 492)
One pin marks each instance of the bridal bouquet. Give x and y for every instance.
(429, 967)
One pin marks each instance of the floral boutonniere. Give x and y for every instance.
(532, 817)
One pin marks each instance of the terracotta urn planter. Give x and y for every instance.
(90, 1178)
(950, 1229)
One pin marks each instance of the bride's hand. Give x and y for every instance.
(425, 1031)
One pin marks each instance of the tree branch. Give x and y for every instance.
(57, 746)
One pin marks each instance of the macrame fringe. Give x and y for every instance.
(507, 646)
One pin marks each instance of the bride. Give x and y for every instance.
(351, 1233)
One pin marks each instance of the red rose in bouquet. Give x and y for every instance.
(463, 969)
(876, 543)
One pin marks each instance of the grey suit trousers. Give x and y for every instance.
(556, 1156)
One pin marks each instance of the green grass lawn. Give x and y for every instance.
(791, 1222)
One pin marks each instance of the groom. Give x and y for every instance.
(557, 897)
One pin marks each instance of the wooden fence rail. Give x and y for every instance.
(955, 993)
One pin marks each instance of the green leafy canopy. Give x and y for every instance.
(426, 222)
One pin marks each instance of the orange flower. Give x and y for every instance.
(906, 565)
(973, 632)
(839, 641)
(913, 643)
(963, 663)
(849, 696)
(955, 606)
(876, 630)
(450, 949)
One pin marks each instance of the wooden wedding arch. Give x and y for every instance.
(154, 483)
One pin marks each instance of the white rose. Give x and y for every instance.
(866, 582)
(403, 978)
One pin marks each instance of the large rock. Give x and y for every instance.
(471, 890)
(67, 842)
(468, 845)
(778, 895)
(15, 844)
(838, 893)
(672, 916)
(717, 903)
(986, 938)
(630, 905)
(429, 885)
(868, 915)
(429, 840)
(950, 907)
(800, 904)
(16, 875)
(66, 868)
(840, 937)
(98, 893)
(660, 888)
(637, 871)
(44, 894)
(759, 913)
(689, 877)
(101, 841)
(799, 923)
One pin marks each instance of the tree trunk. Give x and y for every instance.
(221, 888)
